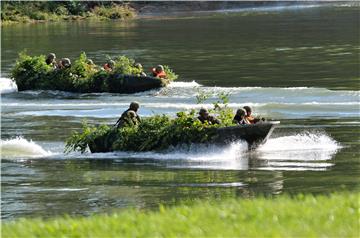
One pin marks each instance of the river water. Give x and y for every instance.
(299, 65)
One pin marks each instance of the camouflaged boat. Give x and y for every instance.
(254, 135)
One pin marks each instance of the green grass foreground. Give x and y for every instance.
(336, 215)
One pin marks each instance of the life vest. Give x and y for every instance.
(161, 74)
(107, 68)
(250, 119)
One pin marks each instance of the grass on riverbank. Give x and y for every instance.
(42, 11)
(336, 215)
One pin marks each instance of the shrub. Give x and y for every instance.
(79, 142)
(170, 73)
(61, 10)
(113, 12)
(23, 11)
(125, 65)
(38, 15)
(30, 71)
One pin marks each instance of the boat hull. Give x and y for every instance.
(254, 135)
(133, 84)
(111, 83)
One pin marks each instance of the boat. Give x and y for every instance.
(32, 73)
(254, 134)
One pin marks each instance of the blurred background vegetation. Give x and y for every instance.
(38, 11)
(25, 12)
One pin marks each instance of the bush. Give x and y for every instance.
(29, 71)
(23, 11)
(125, 65)
(38, 15)
(79, 141)
(61, 10)
(113, 12)
(170, 73)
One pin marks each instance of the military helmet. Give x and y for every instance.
(241, 112)
(203, 110)
(159, 68)
(247, 109)
(134, 106)
(111, 63)
(51, 56)
(66, 62)
(89, 61)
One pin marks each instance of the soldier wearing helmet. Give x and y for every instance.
(91, 65)
(89, 61)
(205, 117)
(159, 72)
(240, 117)
(130, 116)
(248, 116)
(64, 63)
(140, 68)
(51, 60)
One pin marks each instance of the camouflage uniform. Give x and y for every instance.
(205, 117)
(130, 116)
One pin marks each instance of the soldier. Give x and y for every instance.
(248, 116)
(90, 62)
(159, 71)
(64, 63)
(109, 66)
(139, 66)
(130, 116)
(92, 65)
(205, 117)
(240, 117)
(51, 60)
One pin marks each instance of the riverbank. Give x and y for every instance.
(35, 12)
(301, 216)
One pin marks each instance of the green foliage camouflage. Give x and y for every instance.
(157, 132)
(38, 11)
(32, 73)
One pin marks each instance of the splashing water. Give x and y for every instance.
(299, 152)
(303, 151)
(191, 84)
(231, 157)
(20, 147)
(7, 86)
(300, 142)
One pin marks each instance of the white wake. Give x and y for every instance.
(7, 86)
(21, 148)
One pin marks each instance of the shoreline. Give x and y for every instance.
(165, 10)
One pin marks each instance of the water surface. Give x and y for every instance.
(297, 65)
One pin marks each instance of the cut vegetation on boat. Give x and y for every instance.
(160, 132)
